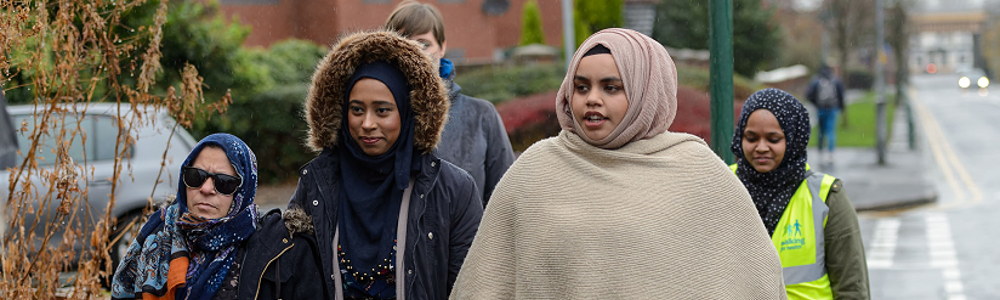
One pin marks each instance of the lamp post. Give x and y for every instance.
(721, 76)
(569, 37)
(880, 110)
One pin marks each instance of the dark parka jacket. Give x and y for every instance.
(280, 260)
(445, 205)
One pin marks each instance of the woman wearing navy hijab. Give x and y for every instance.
(391, 218)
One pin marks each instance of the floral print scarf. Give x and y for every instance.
(178, 255)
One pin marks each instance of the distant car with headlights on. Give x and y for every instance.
(974, 77)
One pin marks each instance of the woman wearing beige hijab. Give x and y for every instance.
(616, 207)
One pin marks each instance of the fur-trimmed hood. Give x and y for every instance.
(428, 95)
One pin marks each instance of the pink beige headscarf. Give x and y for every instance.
(650, 80)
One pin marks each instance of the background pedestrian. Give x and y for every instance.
(826, 92)
(474, 137)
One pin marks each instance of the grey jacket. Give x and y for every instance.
(475, 140)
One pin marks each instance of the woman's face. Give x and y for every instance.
(205, 201)
(598, 100)
(372, 116)
(763, 141)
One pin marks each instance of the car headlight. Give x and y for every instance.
(964, 82)
(983, 82)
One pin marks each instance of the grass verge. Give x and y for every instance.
(859, 130)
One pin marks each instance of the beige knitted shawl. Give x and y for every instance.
(659, 218)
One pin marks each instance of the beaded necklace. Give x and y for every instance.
(377, 283)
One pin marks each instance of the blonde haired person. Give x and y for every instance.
(617, 207)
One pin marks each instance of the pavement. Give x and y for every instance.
(902, 182)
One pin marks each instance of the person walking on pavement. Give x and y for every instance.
(819, 240)
(616, 206)
(826, 92)
(392, 219)
(197, 246)
(474, 137)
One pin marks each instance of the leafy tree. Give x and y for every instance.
(898, 36)
(853, 23)
(196, 33)
(593, 15)
(531, 24)
(685, 24)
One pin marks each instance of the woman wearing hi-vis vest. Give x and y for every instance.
(807, 213)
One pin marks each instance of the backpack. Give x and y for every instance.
(826, 93)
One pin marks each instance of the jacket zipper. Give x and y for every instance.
(256, 294)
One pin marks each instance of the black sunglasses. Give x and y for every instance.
(224, 184)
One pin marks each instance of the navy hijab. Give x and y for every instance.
(771, 191)
(371, 189)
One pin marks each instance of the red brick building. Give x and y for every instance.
(473, 35)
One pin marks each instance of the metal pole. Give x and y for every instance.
(911, 131)
(569, 37)
(721, 76)
(880, 126)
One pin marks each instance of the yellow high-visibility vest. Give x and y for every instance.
(799, 239)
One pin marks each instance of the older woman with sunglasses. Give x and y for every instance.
(197, 246)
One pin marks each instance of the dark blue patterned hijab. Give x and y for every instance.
(771, 191)
(372, 187)
(209, 244)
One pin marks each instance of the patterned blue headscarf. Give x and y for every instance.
(209, 244)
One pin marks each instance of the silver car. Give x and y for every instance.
(96, 154)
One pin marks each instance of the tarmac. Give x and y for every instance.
(901, 183)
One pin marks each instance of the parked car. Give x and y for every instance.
(96, 154)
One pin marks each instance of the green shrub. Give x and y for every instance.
(500, 84)
(531, 24)
(270, 121)
(271, 124)
(594, 15)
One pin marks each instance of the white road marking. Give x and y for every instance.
(883, 246)
(942, 252)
